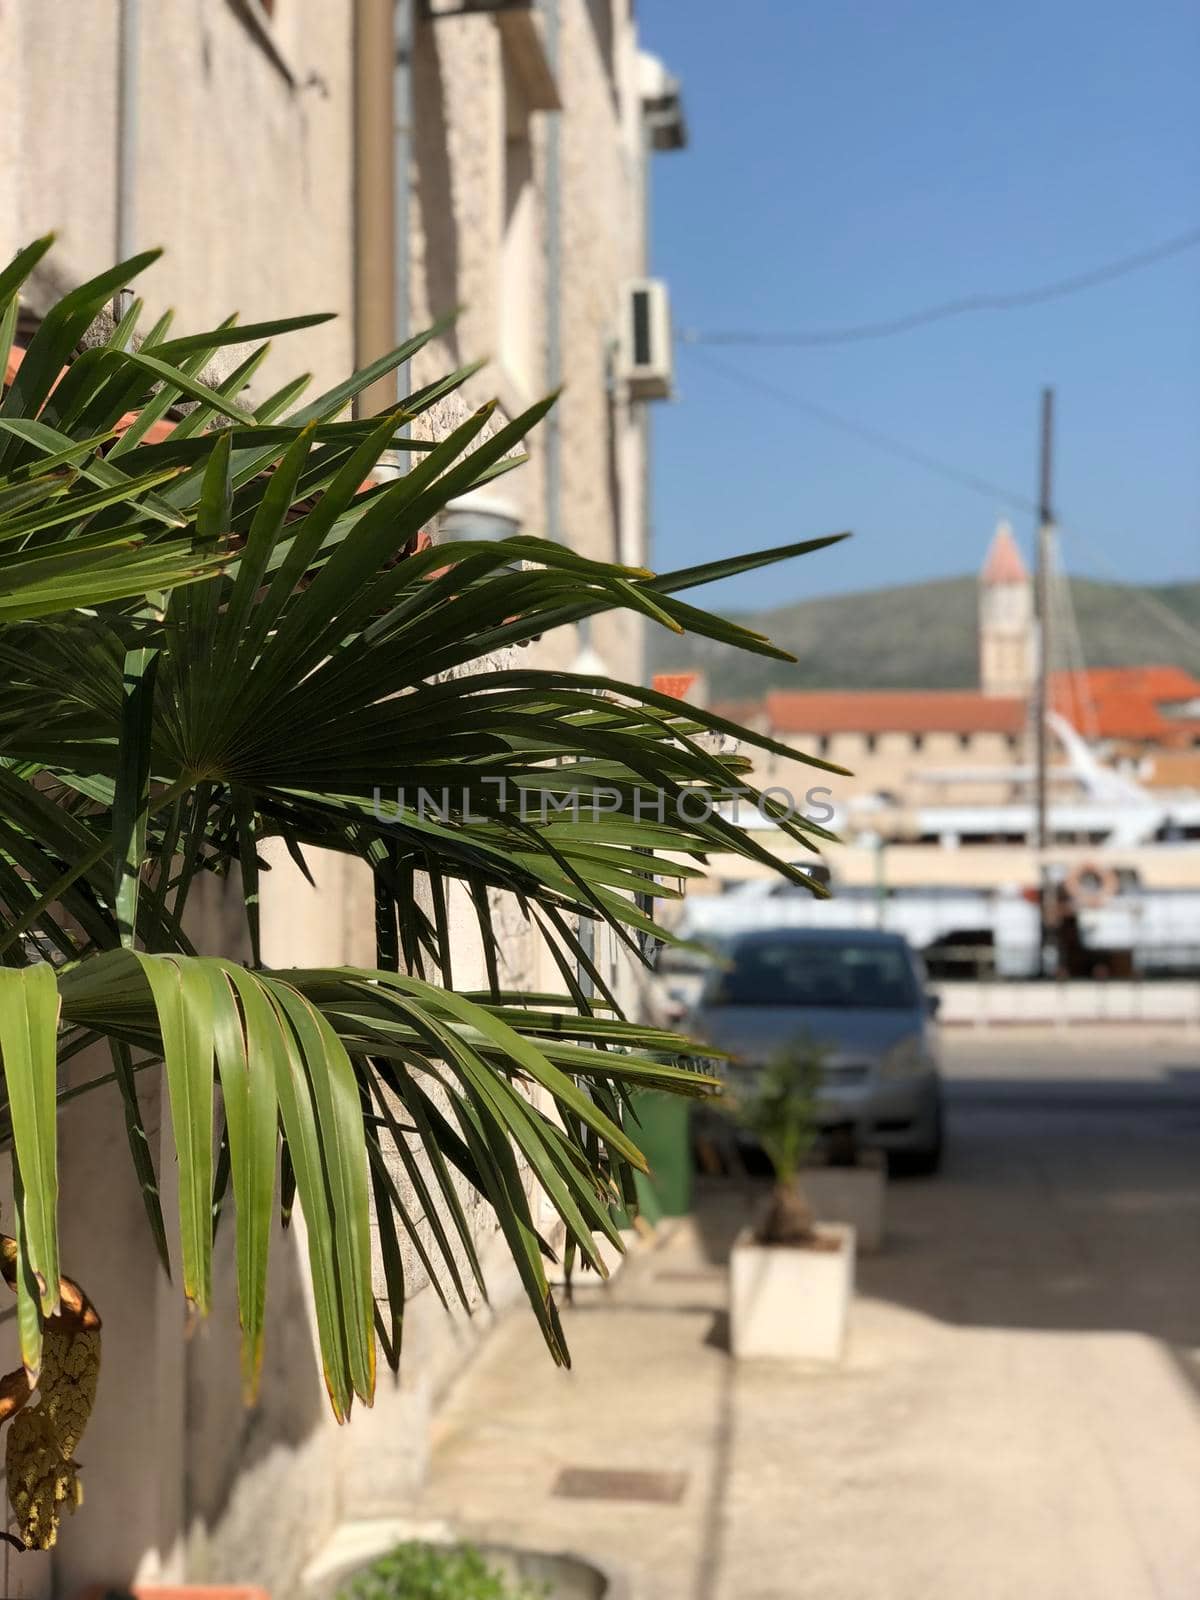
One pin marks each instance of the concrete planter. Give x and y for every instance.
(853, 1195)
(564, 1575)
(789, 1304)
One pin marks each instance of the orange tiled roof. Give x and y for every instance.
(1158, 683)
(677, 684)
(893, 711)
(155, 433)
(1128, 702)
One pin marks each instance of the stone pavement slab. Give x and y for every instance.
(1018, 1414)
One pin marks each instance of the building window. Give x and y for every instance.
(918, 741)
(823, 745)
(869, 743)
(964, 741)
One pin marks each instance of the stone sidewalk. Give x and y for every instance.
(1017, 1416)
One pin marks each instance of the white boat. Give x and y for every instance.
(1101, 806)
(994, 930)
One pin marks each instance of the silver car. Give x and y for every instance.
(858, 994)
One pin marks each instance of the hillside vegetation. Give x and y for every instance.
(922, 636)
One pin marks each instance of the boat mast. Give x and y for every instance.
(1045, 537)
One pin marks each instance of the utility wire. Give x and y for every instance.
(952, 474)
(857, 332)
(879, 441)
(1157, 608)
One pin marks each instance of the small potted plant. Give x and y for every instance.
(417, 1571)
(430, 1569)
(791, 1277)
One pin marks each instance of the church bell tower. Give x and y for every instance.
(1006, 625)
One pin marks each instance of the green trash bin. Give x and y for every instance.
(663, 1134)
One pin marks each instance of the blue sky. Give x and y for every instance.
(857, 161)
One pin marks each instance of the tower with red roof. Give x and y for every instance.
(1007, 639)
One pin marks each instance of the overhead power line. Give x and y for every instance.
(959, 476)
(880, 441)
(1015, 301)
(1151, 604)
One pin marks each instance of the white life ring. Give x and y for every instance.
(1091, 886)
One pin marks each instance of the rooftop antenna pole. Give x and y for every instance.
(1045, 540)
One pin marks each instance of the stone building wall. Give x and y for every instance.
(246, 173)
(243, 168)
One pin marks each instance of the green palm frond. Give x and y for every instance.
(229, 634)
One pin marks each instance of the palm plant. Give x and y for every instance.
(220, 637)
(780, 1110)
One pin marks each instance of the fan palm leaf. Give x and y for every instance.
(217, 629)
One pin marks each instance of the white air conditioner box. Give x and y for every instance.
(646, 354)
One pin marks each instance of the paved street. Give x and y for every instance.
(1019, 1415)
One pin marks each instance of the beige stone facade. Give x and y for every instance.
(904, 749)
(901, 750)
(242, 160)
(261, 154)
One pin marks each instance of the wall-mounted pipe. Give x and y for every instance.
(128, 29)
(554, 375)
(383, 43)
(380, 249)
(552, 427)
(402, 47)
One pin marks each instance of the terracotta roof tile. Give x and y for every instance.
(1159, 683)
(893, 711)
(1128, 702)
(155, 433)
(677, 684)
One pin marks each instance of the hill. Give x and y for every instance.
(922, 636)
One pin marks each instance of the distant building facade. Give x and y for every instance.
(909, 749)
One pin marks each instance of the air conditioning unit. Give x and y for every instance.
(646, 354)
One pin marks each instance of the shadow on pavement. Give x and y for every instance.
(1062, 1205)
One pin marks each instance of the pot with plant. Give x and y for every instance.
(791, 1277)
(422, 1570)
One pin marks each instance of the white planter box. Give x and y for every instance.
(789, 1304)
(853, 1195)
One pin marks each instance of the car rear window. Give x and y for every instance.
(834, 975)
